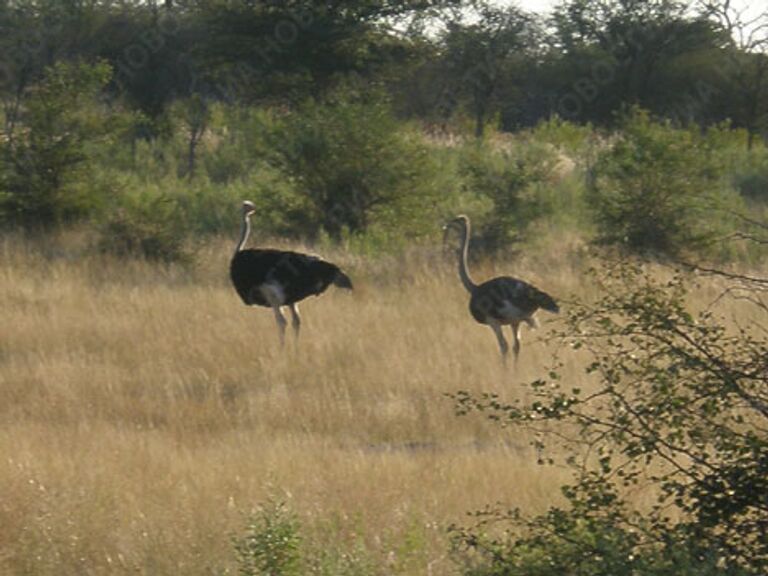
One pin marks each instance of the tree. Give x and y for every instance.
(42, 162)
(195, 114)
(152, 52)
(288, 51)
(354, 165)
(745, 90)
(24, 43)
(656, 188)
(627, 52)
(509, 178)
(673, 405)
(481, 55)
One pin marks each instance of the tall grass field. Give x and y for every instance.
(153, 425)
(146, 414)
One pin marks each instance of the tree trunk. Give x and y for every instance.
(479, 120)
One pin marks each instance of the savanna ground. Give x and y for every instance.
(146, 413)
(147, 417)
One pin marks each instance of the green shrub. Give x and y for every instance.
(241, 143)
(146, 226)
(751, 177)
(271, 545)
(659, 189)
(164, 218)
(573, 139)
(584, 542)
(754, 184)
(338, 558)
(276, 543)
(211, 208)
(509, 180)
(46, 162)
(356, 166)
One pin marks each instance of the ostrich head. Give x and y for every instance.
(459, 223)
(248, 208)
(462, 220)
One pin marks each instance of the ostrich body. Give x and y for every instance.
(277, 278)
(500, 301)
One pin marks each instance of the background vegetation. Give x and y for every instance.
(613, 153)
(340, 123)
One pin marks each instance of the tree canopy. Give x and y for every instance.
(584, 62)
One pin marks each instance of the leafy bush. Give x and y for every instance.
(673, 406)
(754, 184)
(355, 166)
(163, 217)
(148, 227)
(242, 143)
(46, 159)
(271, 545)
(276, 543)
(208, 208)
(659, 189)
(573, 139)
(508, 179)
(751, 178)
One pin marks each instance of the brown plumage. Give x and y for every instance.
(499, 301)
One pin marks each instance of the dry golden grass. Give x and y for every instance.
(145, 412)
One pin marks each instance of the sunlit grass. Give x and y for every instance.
(144, 411)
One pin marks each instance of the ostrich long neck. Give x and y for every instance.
(244, 233)
(466, 279)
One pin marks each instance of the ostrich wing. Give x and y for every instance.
(507, 298)
(298, 275)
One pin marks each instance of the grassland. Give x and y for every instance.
(144, 412)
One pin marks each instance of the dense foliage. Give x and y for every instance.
(666, 436)
(353, 164)
(317, 112)
(507, 180)
(660, 190)
(46, 162)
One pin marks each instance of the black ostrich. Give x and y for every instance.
(499, 301)
(276, 278)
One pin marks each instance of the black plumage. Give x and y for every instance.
(278, 278)
(298, 275)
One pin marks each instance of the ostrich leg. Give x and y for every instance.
(281, 323)
(516, 343)
(502, 341)
(295, 319)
